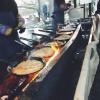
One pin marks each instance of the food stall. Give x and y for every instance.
(48, 68)
(22, 73)
(60, 80)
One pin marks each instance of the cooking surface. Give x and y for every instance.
(54, 67)
(61, 80)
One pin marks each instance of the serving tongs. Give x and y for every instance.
(29, 40)
(25, 46)
(48, 31)
(38, 44)
(45, 39)
(33, 42)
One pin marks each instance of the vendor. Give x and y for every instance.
(98, 8)
(58, 15)
(9, 23)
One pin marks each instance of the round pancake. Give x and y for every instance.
(67, 33)
(43, 52)
(59, 43)
(63, 37)
(27, 67)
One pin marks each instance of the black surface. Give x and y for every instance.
(61, 81)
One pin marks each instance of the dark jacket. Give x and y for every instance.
(98, 8)
(58, 2)
(8, 16)
(9, 6)
(58, 14)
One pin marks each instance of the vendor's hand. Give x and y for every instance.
(22, 29)
(65, 6)
(21, 24)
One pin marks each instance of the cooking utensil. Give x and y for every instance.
(33, 42)
(25, 46)
(48, 31)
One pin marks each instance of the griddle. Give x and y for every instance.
(51, 70)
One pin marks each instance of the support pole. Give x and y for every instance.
(89, 9)
(84, 11)
(75, 4)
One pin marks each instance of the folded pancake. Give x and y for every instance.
(63, 37)
(68, 33)
(27, 67)
(43, 52)
(59, 43)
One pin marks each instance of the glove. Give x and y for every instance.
(22, 29)
(65, 6)
(21, 24)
